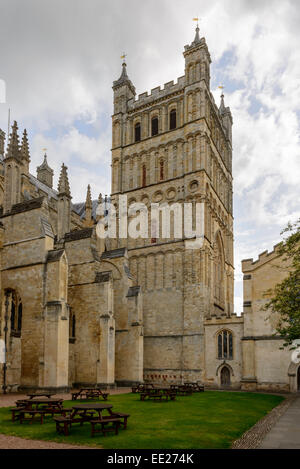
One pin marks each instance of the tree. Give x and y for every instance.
(285, 299)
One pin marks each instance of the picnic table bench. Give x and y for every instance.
(89, 393)
(158, 394)
(15, 412)
(40, 394)
(36, 409)
(86, 413)
(142, 387)
(181, 390)
(196, 387)
(105, 427)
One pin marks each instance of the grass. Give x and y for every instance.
(204, 420)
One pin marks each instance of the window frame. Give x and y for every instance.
(220, 345)
(137, 125)
(154, 118)
(172, 112)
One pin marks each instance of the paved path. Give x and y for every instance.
(286, 432)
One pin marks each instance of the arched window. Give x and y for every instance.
(161, 170)
(15, 314)
(19, 323)
(144, 175)
(173, 123)
(137, 132)
(154, 126)
(225, 345)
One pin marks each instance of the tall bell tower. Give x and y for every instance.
(173, 145)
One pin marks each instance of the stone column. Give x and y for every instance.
(106, 364)
(56, 346)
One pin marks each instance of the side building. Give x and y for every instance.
(265, 365)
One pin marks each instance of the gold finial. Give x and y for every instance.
(221, 87)
(44, 150)
(123, 56)
(196, 19)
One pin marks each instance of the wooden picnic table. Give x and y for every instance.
(41, 394)
(158, 394)
(89, 393)
(142, 387)
(86, 413)
(196, 387)
(181, 389)
(29, 409)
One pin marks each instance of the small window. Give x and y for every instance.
(173, 123)
(137, 132)
(72, 330)
(144, 176)
(225, 345)
(154, 126)
(161, 171)
(13, 315)
(74, 326)
(16, 310)
(19, 322)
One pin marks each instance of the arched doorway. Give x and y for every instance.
(298, 379)
(225, 377)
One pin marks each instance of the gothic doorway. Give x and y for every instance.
(298, 379)
(225, 377)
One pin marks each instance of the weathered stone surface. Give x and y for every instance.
(124, 309)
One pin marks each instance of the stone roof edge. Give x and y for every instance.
(262, 257)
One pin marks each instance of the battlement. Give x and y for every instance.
(224, 319)
(265, 256)
(145, 99)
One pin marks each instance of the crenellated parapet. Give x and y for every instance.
(249, 264)
(157, 94)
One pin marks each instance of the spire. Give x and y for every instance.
(124, 75)
(13, 149)
(63, 183)
(45, 173)
(88, 202)
(25, 147)
(124, 79)
(222, 108)
(45, 165)
(197, 36)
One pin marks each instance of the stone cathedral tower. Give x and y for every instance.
(175, 145)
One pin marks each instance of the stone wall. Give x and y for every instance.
(265, 364)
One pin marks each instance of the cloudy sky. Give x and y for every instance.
(58, 59)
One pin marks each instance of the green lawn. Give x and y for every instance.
(204, 420)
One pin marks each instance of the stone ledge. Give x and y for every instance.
(78, 234)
